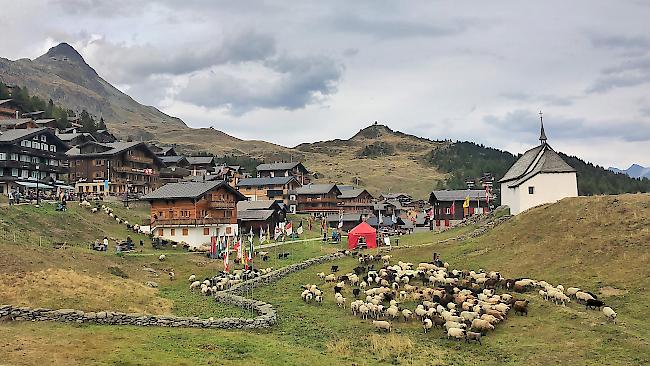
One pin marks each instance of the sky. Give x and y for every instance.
(302, 71)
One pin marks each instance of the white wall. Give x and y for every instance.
(549, 188)
(195, 237)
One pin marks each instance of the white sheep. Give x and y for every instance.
(340, 301)
(192, 278)
(427, 324)
(407, 314)
(382, 325)
(162, 257)
(609, 313)
(364, 310)
(455, 333)
(172, 276)
(449, 325)
(195, 284)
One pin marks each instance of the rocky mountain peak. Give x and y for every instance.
(63, 52)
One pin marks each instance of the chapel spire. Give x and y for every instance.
(542, 134)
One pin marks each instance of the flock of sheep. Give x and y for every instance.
(464, 303)
(225, 280)
(109, 211)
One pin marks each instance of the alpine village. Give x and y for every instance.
(130, 238)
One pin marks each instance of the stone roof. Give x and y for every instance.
(254, 215)
(275, 181)
(255, 205)
(316, 189)
(350, 193)
(458, 195)
(200, 160)
(355, 217)
(186, 190)
(277, 166)
(540, 159)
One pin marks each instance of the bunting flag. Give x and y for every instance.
(453, 208)
(278, 232)
(393, 219)
(213, 247)
(299, 230)
(238, 248)
(466, 203)
(288, 228)
(262, 236)
(226, 258)
(268, 232)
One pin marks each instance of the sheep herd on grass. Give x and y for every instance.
(109, 211)
(224, 280)
(464, 303)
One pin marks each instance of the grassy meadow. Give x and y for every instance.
(599, 243)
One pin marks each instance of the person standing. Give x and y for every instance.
(11, 198)
(105, 244)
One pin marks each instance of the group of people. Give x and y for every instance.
(32, 195)
(128, 244)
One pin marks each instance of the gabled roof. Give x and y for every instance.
(355, 217)
(540, 159)
(43, 120)
(254, 215)
(386, 221)
(188, 190)
(388, 196)
(12, 136)
(257, 182)
(14, 121)
(257, 205)
(71, 136)
(3, 101)
(174, 159)
(279, 166)
(351, 193)
(200, 160)
(457, 195)
(317, 189)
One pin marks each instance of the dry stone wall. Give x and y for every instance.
(266, 313)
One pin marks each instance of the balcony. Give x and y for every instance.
(139, 159)
(222, 204)
(122, 169)
(192, 222)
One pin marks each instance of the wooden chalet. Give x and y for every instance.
(448, 207)
(319, 199)
(258, 215)
(356, 200)
(276, 188)
(104, 136)
(17, 123)
(272, 170)
(117, 167)
(193, 212)
(76, 138)
(9, 109)
(201, 165)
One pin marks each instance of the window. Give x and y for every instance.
(14, 172)
(161, 232)
(3, 156)
(448, 211)
(185, 231)
(26, 143)
(43, 138)
(14, 157)
(24, 173)
(35, 159)
(173, 232)
(35, 174)
(206, 231)
(53, 148)
(531, 190)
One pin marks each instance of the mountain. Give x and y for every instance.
(634, 171)
(61, 74)
(377, 157)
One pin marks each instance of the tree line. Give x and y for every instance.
(26, 103)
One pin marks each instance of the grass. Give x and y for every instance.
(597, 243)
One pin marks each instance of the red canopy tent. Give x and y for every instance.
(365, 231)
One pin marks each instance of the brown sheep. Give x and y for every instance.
(521, 307)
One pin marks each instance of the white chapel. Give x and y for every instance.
(539, 176)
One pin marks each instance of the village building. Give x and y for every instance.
(400, 197)
(73, 139)
(114, 168)
(201, 165)
(345, 221)
(273, 170)
(230, 173)
(176, 169)
(386, 223)
(448, 205)
(539, 176)
(276, 188)
(104, 136)
(30, 158)
(9, 109)
(17, 123)
(355, 201)
(256, 215)
(194, 212)
(318, 199)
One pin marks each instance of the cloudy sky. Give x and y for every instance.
(297, 71)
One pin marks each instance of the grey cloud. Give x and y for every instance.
(620, 42)
(301, 81)
(526, 124)
(629, 73)
(350, 52)
(545, 99)
(398, 28)
(125, 64)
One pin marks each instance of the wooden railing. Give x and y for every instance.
(139, 159)
(222, 204)
(191, 222)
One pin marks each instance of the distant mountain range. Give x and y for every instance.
(634, 171)
(377, 157)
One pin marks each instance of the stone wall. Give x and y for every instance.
(266, 313)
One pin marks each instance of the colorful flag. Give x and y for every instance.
(262, 236)
(226, 258)
(288, 228)
(466, 203)
(453, 209)
(299, 230)
(278, 232)
(213, 247)
(238, 248)
(268, 232)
